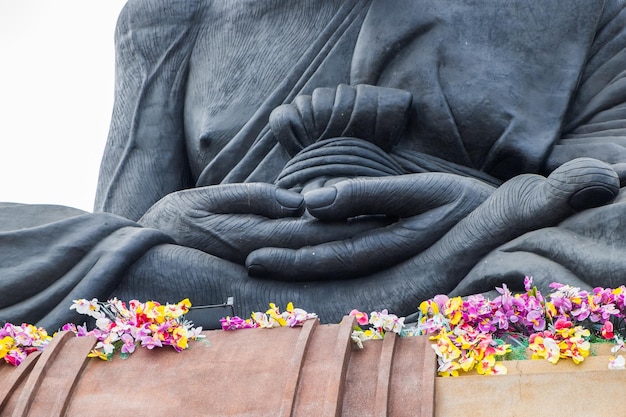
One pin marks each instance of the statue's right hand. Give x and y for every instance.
(232, 220)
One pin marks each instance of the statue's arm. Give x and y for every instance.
(595, 125)
(145, 157)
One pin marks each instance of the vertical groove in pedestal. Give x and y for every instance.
(337, 380)
(293, 372)
(428, 375)
(50, 384)
(383, 380)
(32, 384)
(15, 378)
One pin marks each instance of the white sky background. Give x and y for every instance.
(56, 97)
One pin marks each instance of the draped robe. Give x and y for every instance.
(497, 89)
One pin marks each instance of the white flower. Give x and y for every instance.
(106, 347)
(358, 337)
(90, 308)
(617, 362)
(103, 323)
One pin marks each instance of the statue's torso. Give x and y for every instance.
(490, 84)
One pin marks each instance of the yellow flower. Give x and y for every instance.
(453, 310)
(6, 343)
(429, 307)
(274, 314)
(485, 366)
(180, 337)
(174, 311)
(154, 311)
(551, 310)
(370, 334)
(499, 369)
(467, 363)
(97, 354)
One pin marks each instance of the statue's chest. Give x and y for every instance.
(243, 52)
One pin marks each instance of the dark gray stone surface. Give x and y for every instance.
(342, 154)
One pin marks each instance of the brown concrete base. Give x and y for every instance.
(310, 371)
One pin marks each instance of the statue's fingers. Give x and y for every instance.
(262, 199)
(399, 196)
(363, 254)
(583, 183)
(233, 237)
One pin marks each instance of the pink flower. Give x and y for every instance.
(15, 357)
(562, 323)
(361, 317)
(607, 330)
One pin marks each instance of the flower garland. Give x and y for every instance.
(470, 334)
(291, 317)
(378, 323)
(17, 342)
(147, 325)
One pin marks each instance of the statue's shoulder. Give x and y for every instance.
(149, 28)
(145, 14)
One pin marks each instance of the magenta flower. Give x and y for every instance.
(502, 320)
(236, 322)
(528, 283)
(486, 325)
(69, 327)
(581, 313)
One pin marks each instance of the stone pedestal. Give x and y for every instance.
(310, 371)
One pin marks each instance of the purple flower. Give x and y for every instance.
(7, 330)
(502, 319)
(150, 342)
(582, 312)
(486, 325)
(536, 319)
(129, 343)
